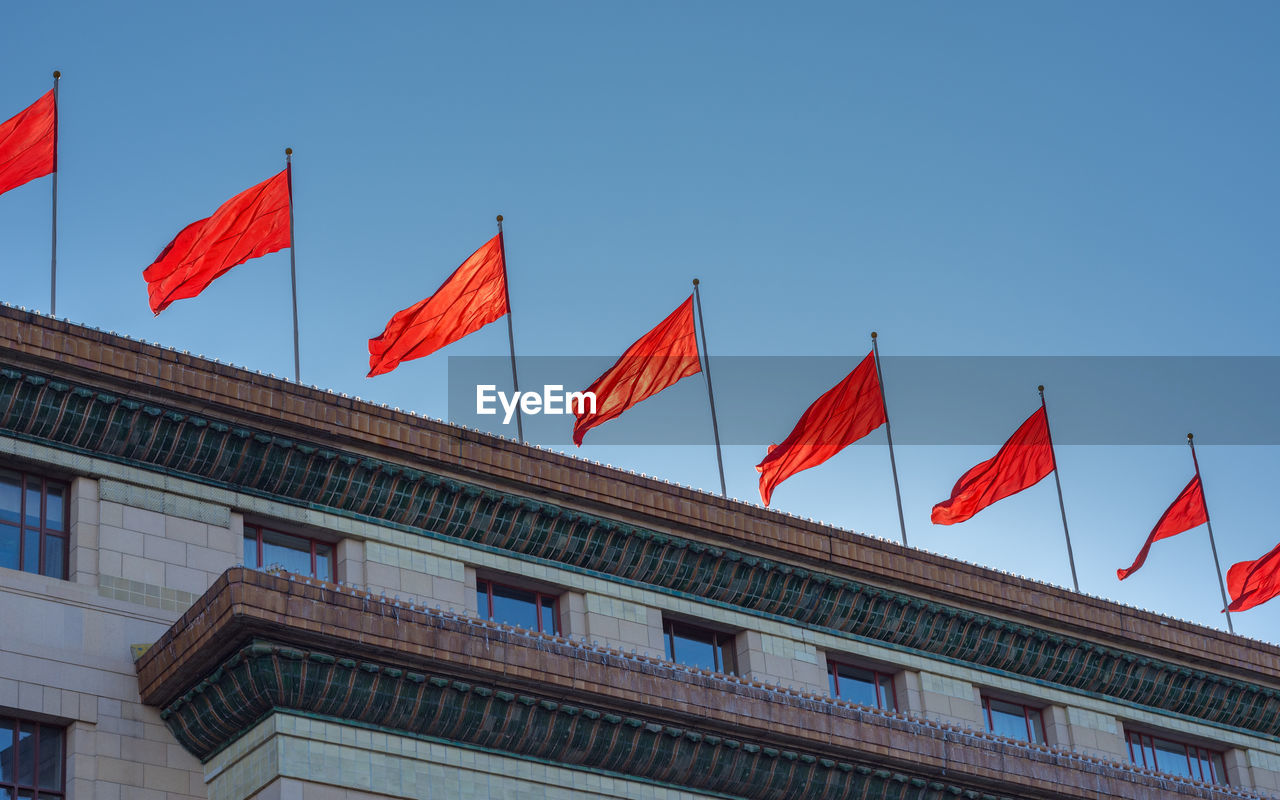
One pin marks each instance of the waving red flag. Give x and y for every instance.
(657, 360)
(1186, 512)
(848, 411)
(251, 224)
(29, 144)
(1022, 462)
(472, 297)
(1252, 583)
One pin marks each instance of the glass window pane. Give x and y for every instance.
(53, 507)
(549, 616)
(50, 767)
(857, 686)
(6, 750)
(55, 549)
(1008, 719)
(832, 689)
(1171, 757)
(728, 661)
(515, 607)
(32, 512)
(693, 647)
(251, 549)
(482, 598)
(31, 551)
(324, 562)
(25, 754)
(1035, 725)
(293, 553)
(886, 693)
(1219, 769)
(10, 496)
(10, 547)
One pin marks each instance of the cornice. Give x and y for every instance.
(256, 643)
(79, 417)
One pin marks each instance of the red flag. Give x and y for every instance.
(848, 411)
(251, 224)
(1252, 583)
(472, 297)
(1186, 512)
(29, 144)
(657, 360)
(1022, 463)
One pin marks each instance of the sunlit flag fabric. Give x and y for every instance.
(847, 412)
(1186, 512)
(251, 224)
(657, 360)
(29, 144)
(1022, 462)
(472, 297)
(1252, 583)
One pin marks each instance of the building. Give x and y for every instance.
(663, 643)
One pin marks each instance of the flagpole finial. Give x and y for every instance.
(57, 74)
(499, 218)
(1190, 436)
(288, 151)
(874, 334)
(1040, 388)
(695, 281)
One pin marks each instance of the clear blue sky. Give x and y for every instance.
(968, 179)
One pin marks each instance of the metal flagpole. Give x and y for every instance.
(53, 253)
(293, 267)
(511, 334)
(706, 368)
(888, 431)
(1061, 505)
(1212, 546)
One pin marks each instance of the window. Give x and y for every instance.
(529, 609)
(30, 760)
(1177, 758)
(267, 548)
(1013, 720)
(865, 686)
(699, 647)
(33, 524)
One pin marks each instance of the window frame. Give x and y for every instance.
(45, 533)
(721, 642)
(1026, 717)
(538, 597)
(34, 788)
(1147, 740)
(311, 540)
(877, 674)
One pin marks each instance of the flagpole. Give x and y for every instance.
(293, 267)
(511, 333)
(53, 252)
(715, 426)
(888, 432)
(1061, 505)
(1212, 546)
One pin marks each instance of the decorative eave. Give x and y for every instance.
(78, 417)
(257, 643)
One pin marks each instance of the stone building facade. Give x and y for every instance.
(216, 584)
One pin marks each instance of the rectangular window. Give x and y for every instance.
(699, 647)
(31, 760)
(1177, 758)
(264, 547)
(864, 686)
(535, 611)
(1014, 720)
(33, 524)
